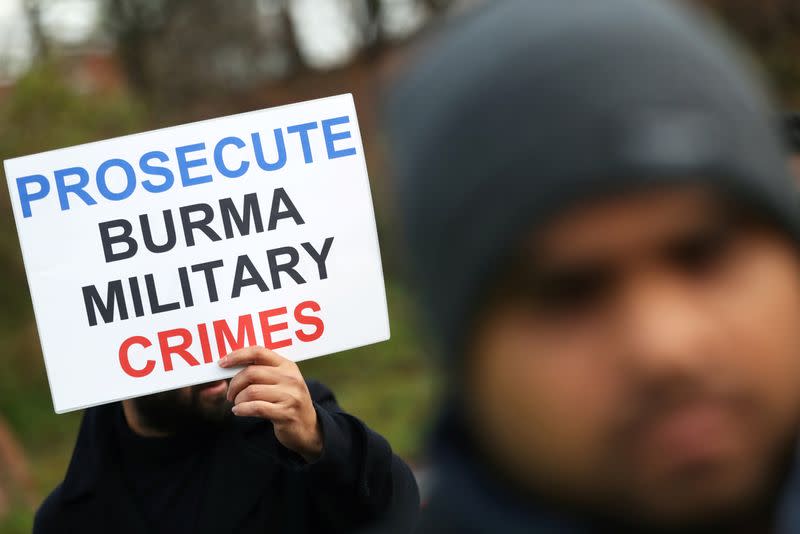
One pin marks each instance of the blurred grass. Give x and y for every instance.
(388, 385)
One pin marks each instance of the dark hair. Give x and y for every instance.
(791, 131)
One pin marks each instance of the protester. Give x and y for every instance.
(602, 226)
(289, 460)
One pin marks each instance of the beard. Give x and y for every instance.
(183, 410)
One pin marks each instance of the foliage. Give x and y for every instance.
(771, 29)
(43, 113)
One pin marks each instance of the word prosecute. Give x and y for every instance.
(176, 343)
(72, 182)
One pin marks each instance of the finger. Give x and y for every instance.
(252, 355)
(253, 374)
(262, 409)
(261, 392)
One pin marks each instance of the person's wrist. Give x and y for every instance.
(312, 448)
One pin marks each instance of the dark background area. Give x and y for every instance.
(146, 64)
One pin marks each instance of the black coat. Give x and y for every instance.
(356, 483)
(468, 497)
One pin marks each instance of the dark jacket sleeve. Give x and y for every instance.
(45, 521)
(365, 483)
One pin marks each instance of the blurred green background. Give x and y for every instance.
(74, 71)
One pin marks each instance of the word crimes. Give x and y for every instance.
(137, 359)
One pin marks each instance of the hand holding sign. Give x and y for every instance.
(272, 387)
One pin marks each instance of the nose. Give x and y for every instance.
(663, 329)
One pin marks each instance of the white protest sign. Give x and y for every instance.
(150, 256)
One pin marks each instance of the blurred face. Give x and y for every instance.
(184, 409)
(642, 360)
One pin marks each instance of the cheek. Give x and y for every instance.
(758, 320)
(545, 397)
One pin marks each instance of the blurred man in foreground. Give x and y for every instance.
(606, 237)
(289, 461)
